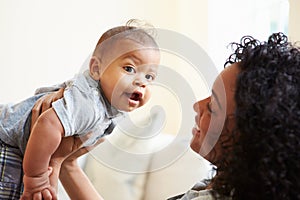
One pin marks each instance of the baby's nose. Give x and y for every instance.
(139, 81)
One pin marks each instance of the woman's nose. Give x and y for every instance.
(200, 105)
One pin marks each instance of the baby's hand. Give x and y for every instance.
(38, 188)
(46, 194)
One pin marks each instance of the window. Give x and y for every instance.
(229, 20)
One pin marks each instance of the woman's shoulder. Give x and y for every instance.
(198, 195)
(198, 192)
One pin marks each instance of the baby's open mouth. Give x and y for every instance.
(136, 96)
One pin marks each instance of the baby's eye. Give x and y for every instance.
(129, 69)
(150, 77)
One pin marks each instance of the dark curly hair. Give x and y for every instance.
(265, 159)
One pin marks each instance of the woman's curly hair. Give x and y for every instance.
(265, 160)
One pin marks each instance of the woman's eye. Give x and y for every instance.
(149, 77)
(209, 107)
(129, 69)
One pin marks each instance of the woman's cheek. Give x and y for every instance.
(199, 136)
(195, 143)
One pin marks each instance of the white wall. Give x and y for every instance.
(45, 42)
(229, 20)
(294, 15)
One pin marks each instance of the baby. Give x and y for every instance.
(125, 61)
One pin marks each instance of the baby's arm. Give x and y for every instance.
(44, 139)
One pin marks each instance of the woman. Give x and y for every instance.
(248, 128)
(265, 159)
(258, 152)
(264, 162)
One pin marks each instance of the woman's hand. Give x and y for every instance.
(65, 157)
(71, 148)
(72, 177)
(44, 103)
(72, 158)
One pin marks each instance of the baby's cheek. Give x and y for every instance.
(147, 97)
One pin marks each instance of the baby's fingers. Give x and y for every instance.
(46, 194)
(26, 196)
(37, 196)
(49, 194)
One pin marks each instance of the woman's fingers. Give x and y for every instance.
(44, 103)
(38, 109)
(71, 148)
(82, 150)
(65, 148)
(89, 148)
(69, 145)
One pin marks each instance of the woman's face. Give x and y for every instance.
(211, 114)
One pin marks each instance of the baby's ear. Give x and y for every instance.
(95, 70)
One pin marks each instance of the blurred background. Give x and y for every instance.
(46, 42)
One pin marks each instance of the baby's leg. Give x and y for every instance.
(11, 173)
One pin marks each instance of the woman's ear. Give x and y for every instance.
(95, 70)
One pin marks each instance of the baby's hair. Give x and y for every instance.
(134, 29)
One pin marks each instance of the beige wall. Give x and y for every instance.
(44, 43)
(294, 20)
(193, 18)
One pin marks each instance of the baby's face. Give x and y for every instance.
(126, 79)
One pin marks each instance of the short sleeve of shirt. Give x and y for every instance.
(50, 88)
(77, 110)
